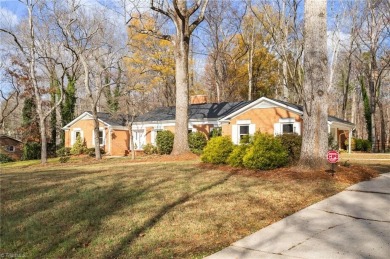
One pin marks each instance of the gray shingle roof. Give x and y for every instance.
(196, 111)
(300, 108)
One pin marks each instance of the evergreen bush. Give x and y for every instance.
(215, 132)
(31, 151)
(292, 143)
(197, 141)
(236, 157)
(79, 147)
(150, 149)
(5, 158)
(362, 145)
(217, 150)
(91, 151)
(265, 153)
(164, 142)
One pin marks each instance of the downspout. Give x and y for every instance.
(109, 140)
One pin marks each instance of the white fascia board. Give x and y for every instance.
(340, 125)
(255, 103)
(80, 117)
(173, 123)
(118, 127)
(67, 126)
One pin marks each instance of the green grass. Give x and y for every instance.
(114, 208)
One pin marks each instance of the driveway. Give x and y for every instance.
(352, 224)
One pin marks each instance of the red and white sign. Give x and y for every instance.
(333, 156)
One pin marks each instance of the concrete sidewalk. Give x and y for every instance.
(352, 224)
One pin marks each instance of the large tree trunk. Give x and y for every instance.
(180, 144)
(315, 117)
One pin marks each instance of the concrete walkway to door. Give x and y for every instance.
(352, 224)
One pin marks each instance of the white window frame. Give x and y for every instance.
(73, 135)
(239, 131)
(278, 128)
(103, 134)
(139, 138)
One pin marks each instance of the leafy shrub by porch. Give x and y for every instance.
(79, 147)
(31, 151)
(197, 141)
(236, 157)
(292, 143)
(150, 149)
(164, 142)
(5, 158)
(265, 153)
(217, 150)
(362, 145)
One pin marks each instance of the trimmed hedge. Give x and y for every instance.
(150, 149)
(164, 142)
(197, 141)
(292, 143)
(236, 157)
(362, 145)
(217, 150)
(265, 153)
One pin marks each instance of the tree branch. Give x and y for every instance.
(200, 17)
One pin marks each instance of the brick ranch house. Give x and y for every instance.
(11, 147)
(235, 119)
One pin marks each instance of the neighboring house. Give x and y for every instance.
(113, 133)
(235, 119)
(11, 147)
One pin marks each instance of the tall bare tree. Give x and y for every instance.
(315, 86)
(28, 48)
(182, 16)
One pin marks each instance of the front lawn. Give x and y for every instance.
(160, 209)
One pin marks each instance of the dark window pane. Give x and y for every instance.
(288, 128)
(244, 130)
(100, 137)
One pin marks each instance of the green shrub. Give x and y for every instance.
(150, 149)
(64, 151)
(266, 152)
(362, 145)
(164, 142)
(236, 157)
(79, 147)
(91, 151)
(5, 158)
(31, 151)
(332, 143)
(292, 143)
(197, 141)
(217, 150)
(215, 132)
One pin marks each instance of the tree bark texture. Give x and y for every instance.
(316, 80)
(180, 144)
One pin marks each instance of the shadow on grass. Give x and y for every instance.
(57, 220)
(131, 237)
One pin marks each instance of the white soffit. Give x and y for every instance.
(264, 105)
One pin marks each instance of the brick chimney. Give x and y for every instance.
(198, 99)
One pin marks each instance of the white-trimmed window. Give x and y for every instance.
(102, 137)
(139, 138)
(243, 131)
(10, 148)
(287, 126)
(154, 135)
(74, 134)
